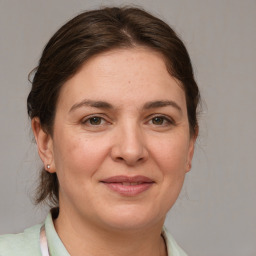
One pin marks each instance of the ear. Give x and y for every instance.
(44, 145)
(191, 148)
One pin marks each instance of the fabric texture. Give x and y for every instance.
(28, 242)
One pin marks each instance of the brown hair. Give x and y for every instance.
(91, 33)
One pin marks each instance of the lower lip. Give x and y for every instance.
(128, 190)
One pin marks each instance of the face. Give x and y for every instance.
(121, 144)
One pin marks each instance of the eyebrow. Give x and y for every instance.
(106, 105)
(91, 103)
(162, 103)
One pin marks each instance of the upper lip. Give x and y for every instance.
(129, 179)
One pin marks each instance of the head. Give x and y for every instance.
(92, 34)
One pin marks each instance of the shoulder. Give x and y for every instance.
(26, 243)
(172, 247)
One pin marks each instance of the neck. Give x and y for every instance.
(82, 238)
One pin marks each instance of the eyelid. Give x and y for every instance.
(99, 115)
(169, 119)
(106, 120)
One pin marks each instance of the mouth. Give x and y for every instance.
(128, 186)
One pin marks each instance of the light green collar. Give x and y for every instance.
(55, 245)
(57, 248)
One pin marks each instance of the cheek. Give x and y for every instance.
(170, 156)
(77, 157)
(170, 153)
(77, 162)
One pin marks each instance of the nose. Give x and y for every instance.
(129, 146)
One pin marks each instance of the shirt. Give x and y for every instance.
(28, 242)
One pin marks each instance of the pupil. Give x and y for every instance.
(95, 120)
(158, 120)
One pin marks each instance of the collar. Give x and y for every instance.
(56, 247)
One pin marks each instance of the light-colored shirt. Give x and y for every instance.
(28, 242)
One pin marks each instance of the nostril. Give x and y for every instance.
(129, 153)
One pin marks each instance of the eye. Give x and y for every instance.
(161, 121)
(94, 121)
(158, 120)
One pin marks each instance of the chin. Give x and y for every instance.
(131, 218)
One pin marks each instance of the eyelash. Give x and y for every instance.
(166, 121)
(90, 118)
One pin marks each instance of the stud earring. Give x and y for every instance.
(48, 166)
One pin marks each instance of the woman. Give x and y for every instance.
(113, 108)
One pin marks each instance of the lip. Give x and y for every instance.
(127, 185)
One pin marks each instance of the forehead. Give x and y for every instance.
(123, 76)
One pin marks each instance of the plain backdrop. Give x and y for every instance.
(215, 214)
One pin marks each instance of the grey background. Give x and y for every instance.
(215, 215)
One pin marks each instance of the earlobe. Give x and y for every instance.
(191, 150)
(44, 144)
(190, 155)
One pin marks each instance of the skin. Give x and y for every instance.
(92, 142)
